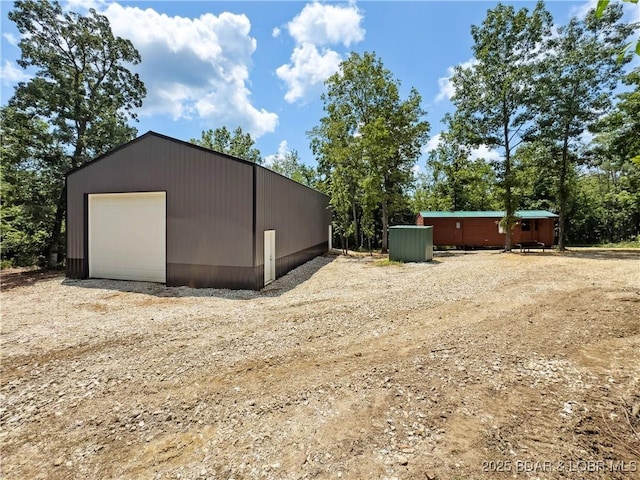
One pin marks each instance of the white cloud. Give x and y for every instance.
(283, 149)
(485, 153)
(631, 11)
(432, 144)
(10, 73)
(276, 32)
(445, 86)
(314, 29)
(81, 6)
(322, 24)
(308, 70)
(446, 90)
(634, 11)
(482, 151)
(194, 67)
(11, 38)
(581, 11)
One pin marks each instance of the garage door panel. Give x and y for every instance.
(127, 236)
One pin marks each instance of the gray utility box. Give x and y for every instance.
(410, 243)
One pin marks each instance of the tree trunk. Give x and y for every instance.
(385, 227)
(508, 200)
(53, 248)
(562, 192)
(355, 224)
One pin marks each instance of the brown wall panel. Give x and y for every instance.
(483, 232)
(209, 199)
(212, 276)
(76, 268)
(299, 215)
(214, 205)
(443, 230)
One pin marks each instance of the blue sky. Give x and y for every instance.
(260, 65)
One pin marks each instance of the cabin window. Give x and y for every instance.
(500, 228)
(525, 226)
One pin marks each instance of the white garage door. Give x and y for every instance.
(127, 236)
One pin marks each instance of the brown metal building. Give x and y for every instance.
(481, 229)
(164, 210)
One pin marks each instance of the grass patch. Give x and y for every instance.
(387, 263)
(631, 243)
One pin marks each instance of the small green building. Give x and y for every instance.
(411, 243)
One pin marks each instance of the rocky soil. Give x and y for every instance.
(476, 365)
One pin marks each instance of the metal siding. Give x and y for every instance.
(209, 199)
(411, 244)
(443, 229)
(299, 215)
(482, 232)
(546, 231)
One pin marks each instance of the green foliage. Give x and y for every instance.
(83, 92)
(632, 243)
(388, 263)
(29, 175)
(494, 95)
(239, 144)
(366, 145)
(82, 85)
(532, 95)
(599, 12)
(577, 75)
(454, 181)
(618, 133)
(535, 180)
(292, 167)
(609, 189)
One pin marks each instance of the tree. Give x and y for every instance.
(339, 166)
(578, 73)
(457, 181)
(292, 167)
(492, 97)
(619, 131)
(601, 7)
(368, 141)
(238, 144)
(613, 180)
(29, 174)
(82, 89)
(535, 180)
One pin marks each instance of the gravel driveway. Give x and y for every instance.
(469, 366)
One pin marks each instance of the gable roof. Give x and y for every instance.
(151, 133)
(525, 214)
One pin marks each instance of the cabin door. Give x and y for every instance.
(528, 229)
(457, 232)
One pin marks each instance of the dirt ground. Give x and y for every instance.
(476, 365)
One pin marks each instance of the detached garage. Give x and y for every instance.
(162, 210)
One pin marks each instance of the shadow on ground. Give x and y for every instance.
(280, 286)
(10, 279)
(586, 252)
